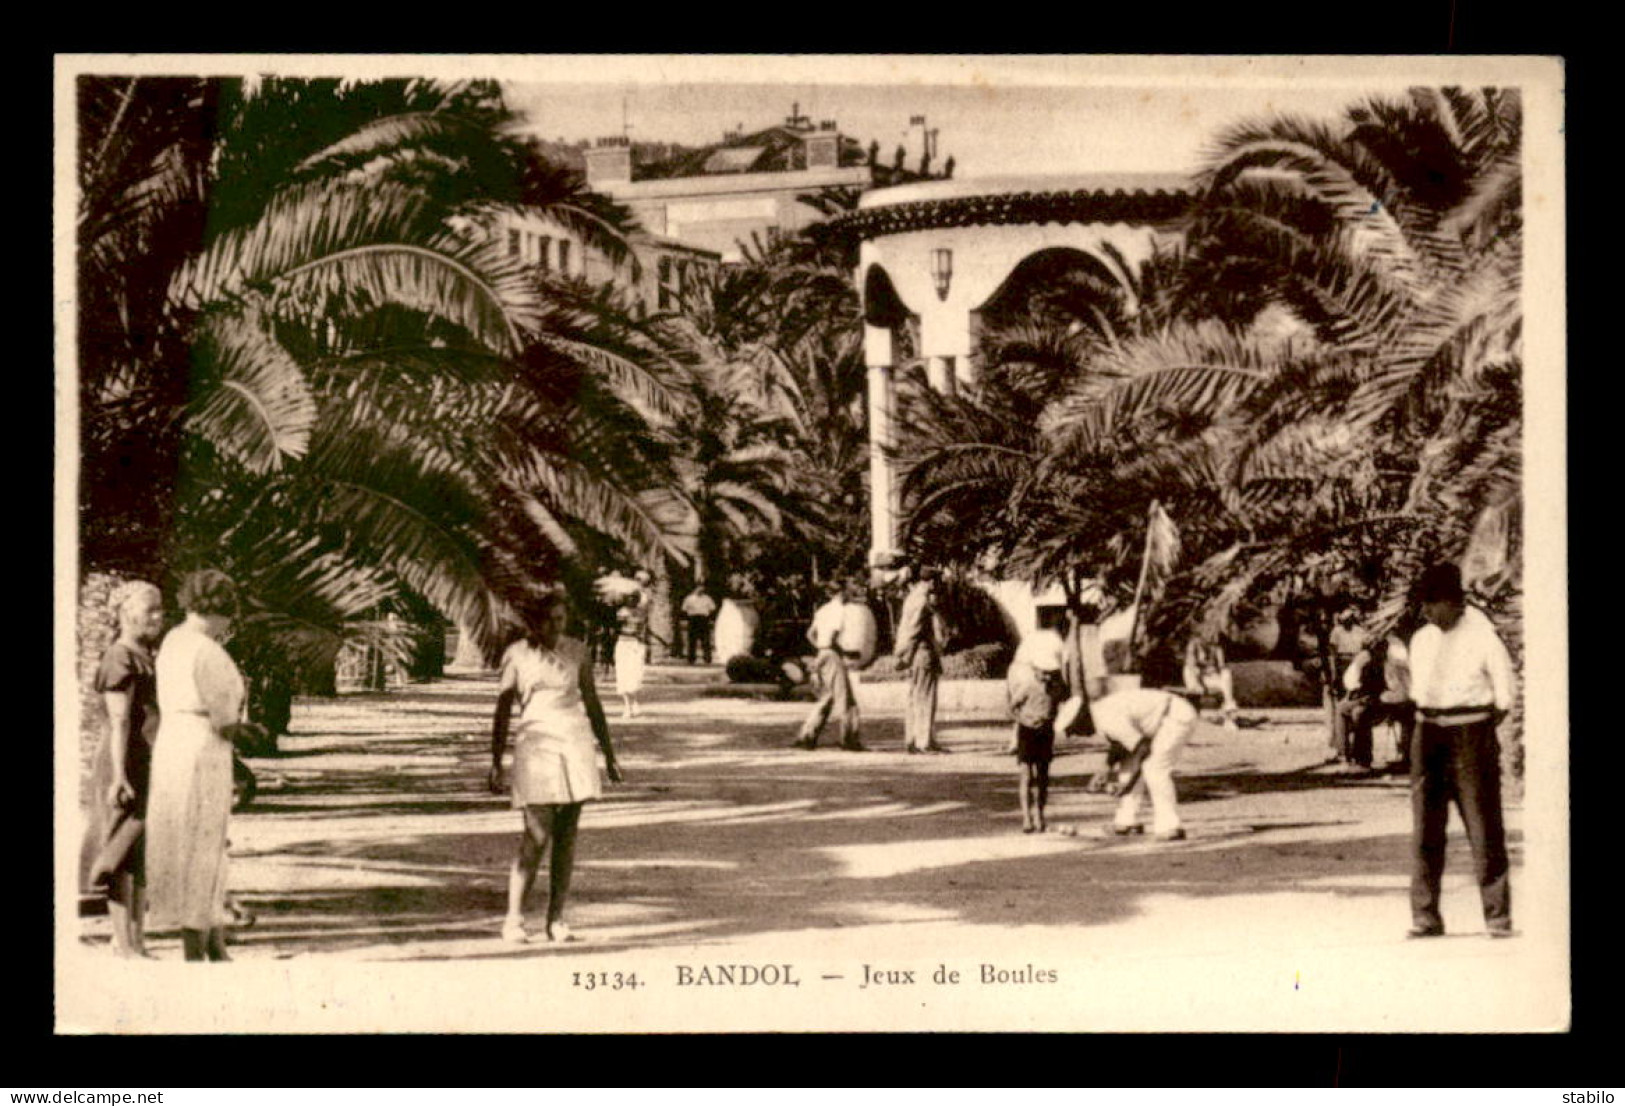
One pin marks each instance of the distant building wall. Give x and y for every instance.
(666, 270)
(720, 212)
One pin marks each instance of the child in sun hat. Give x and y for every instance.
(1036, 692)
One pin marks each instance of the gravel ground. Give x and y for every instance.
(374, 859)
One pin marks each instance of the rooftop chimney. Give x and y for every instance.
(610, 160)
(824, 147)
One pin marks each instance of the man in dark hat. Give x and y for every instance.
(1463, 685)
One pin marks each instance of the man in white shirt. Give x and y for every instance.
(1147, 728)
(1377, 688)
(1463, 685)
(919, 650)
(698, 607)
(834, 684)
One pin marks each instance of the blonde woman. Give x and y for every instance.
(200, 700)
(120, 774)
(555, 769)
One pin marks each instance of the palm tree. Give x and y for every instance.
(1397, 239)
(348, 389)
(1333, 403)
(778, 390)
(1381, 435)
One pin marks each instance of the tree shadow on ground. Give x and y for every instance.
(724, 833)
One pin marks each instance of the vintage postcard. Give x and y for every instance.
(622, 544)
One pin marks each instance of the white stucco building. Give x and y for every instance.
(935, 256)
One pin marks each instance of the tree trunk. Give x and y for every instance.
(1328, 680)
(468, 654)
(662, 617)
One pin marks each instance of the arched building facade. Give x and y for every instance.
(941, 259)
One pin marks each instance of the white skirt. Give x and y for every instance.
(630, 655)
(188, 809)
(555, 761)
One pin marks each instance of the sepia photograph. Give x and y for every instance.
(810, 543)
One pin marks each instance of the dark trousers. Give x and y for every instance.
(1363, 714)
(1460, 764)
(699, 636)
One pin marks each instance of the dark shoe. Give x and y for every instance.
(803, 743)
(935, 749)
(1502, 931)
(911, 750)
(854, 747)
(1127, 831)
(1172, 835)
(1029, 829)
(1416, 932)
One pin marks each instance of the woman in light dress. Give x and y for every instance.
(200, 704)
(120, 773)
(631, 650)
(555, 767)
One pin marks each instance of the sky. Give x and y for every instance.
(1012, 131)
(1019, 116)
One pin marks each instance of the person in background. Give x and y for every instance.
(919, 651)
(555, 769)
(1035, 690)
(1347, 638)
(200, 704)
(1463, 684)
(835, 697)
(631, 650)
(1147, 728)
(699, 609)
(1206, 670)
(119, 781)
(603, 629)
(1378, 687)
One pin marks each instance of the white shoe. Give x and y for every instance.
(513, 931)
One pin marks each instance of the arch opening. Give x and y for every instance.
(1062, 288)
(882, 306)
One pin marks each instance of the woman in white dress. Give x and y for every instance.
(631, 650)
(555, 767)
(200, 700)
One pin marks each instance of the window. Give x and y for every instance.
(513, 243)
(542, 243)
(564, 256)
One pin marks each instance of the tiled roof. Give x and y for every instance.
(773, 150)
(734, 159)
(1124, 198)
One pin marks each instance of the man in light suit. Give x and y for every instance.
(919, 650)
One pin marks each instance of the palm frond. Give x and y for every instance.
(256, 405)
(391, 133)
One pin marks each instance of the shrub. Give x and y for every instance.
(988, 661)
(1273, 684)
(752, 670)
